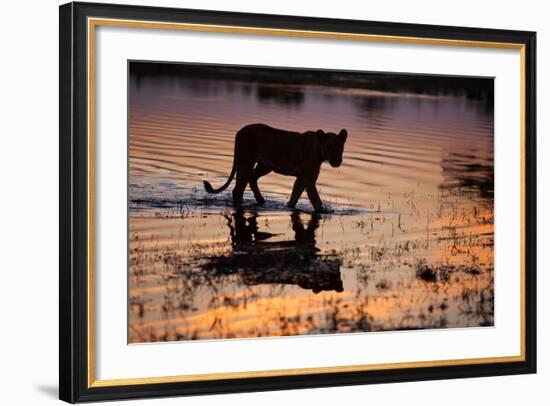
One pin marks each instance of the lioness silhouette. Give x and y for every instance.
(260, 149)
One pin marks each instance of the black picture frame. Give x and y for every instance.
(74, 385)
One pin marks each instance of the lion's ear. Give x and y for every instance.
(320, 135)
(343, 134)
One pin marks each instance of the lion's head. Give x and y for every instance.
(332, 146)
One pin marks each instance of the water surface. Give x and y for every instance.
(409, 244)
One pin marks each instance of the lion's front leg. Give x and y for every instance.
(297, 191)
(314, 197)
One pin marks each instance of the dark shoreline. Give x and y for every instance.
(475, 88)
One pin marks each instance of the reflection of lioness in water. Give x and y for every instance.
(260, 149)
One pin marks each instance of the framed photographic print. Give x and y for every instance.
(255, 202)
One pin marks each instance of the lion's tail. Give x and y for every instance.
(208, 187)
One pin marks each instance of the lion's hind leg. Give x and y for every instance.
(244, 174)
(259, 171)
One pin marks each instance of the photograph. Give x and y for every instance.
(283, 201)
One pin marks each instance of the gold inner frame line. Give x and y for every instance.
(92, 23)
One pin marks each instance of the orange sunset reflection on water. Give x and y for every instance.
(409, 244)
